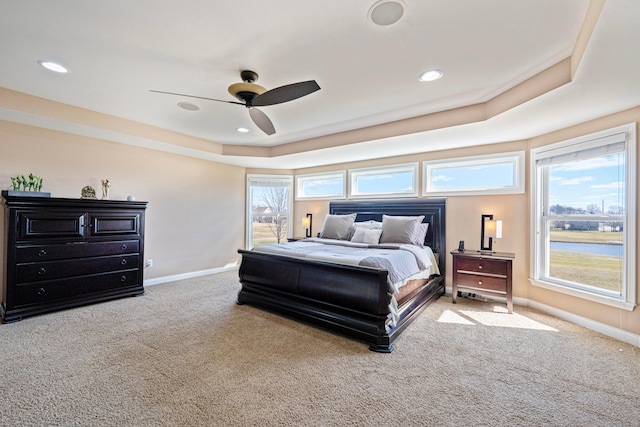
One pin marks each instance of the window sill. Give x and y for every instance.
(601, 299)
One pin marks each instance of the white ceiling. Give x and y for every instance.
(118, 50)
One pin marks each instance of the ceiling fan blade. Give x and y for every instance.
(285, 93)
(199, 97)
(262, 121)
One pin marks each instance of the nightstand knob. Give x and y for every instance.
(42, 252)
(123, 278)
(123, 262)
(41, 291)
(42, 271)
(479, 282)
(480, 267)
(123, 247)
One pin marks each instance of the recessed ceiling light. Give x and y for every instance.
(431, 75)
(242, 130)
(188, 106)
(53, 66)
(386, 12)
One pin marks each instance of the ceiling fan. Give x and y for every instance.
(253, 95)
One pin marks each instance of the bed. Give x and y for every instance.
(360, 301)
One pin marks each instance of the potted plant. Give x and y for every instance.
(23, 186)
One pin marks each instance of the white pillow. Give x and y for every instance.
(337, 226)
(400, 229)
(369, 225)
(364, 235)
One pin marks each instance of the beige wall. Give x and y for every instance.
(463, 220)
(194, 219)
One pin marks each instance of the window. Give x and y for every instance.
(386, 181)
(492, 174)
(269, 206)
(584, 217)
(321, 186)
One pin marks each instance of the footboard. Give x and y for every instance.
(352, 300)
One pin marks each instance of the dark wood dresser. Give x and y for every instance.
(62, 253)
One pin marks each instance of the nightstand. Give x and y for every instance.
(483, 273)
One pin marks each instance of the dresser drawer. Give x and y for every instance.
(39, 253)
(480, 265)
(489, 283)
(39, 271)
(72, 287)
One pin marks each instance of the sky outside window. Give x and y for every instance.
(386, 183)
(594, 181)
(322, 187)
(495, 175)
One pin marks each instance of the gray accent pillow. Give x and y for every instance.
(337, 226)
(421, 234)
(400, 229)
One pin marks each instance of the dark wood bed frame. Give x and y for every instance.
(351, 300)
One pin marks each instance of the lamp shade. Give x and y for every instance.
(306, 222)
(493, 228)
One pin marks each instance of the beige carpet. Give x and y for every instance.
(186, 355)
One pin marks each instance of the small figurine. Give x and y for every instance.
(105, 189)
(88, 192)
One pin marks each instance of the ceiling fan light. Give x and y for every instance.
(236, 88)
(53, 66)
(431, 75)
(242, 130)
(386, 12)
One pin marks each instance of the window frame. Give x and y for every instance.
(354, 174)
(517, 158)
(299, 179)
(628, 298)
(286, 179)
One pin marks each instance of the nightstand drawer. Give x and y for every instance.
(489, 283)
(480, 265)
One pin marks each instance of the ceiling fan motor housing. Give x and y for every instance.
(248, 90)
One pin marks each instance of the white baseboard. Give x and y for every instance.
(607, 330)
(165, 279)
(602, 328)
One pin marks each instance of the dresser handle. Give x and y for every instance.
(123, 247)
(42, 271)
(123, 278)
(480, 267)
(479, 282)
(123, 262)
(41, 291)
(42, 252)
